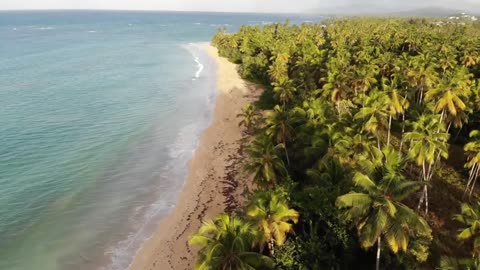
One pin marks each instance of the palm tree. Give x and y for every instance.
(470, 218)
(364, 78)
(335, 87)
(279, 69)
(422, 73)
(226, 243)
(428, 142)
(472, 150)
(279, 127)
(450, 95)
(264, 162)
(396, 103)
(250, 117)
(284, 90)
(447, 263)
(375, 112)
(270, 212)
(377, 210)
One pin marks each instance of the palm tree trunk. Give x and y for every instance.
(420, 202)
(465, 191)
(470, 179)
(286, 151)
(421, 95)
(474, 177)
(473, 181)
(441, 118)
(403, 131)
(389, 129)
(426, 200)
(377, 267)
(271, 247)
(472, 187)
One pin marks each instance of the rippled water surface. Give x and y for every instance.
(99, 114)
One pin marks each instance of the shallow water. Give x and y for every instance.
(99, 114)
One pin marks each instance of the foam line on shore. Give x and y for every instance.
(203, 195)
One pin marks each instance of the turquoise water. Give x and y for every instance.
(99, 114)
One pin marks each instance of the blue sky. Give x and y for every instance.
(240, 5)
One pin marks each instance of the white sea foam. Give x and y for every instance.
(217, 25)
(179, 152)
(92, 31)
(197, 23)
(46, 28)
(200, 67)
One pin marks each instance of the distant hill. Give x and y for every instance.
(428, 12)
(380, 10)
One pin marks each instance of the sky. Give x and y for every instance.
(289, 6)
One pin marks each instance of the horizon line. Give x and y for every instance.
(160, 10)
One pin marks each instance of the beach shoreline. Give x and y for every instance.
(213, 184)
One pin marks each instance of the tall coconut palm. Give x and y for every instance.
(470, 218)
(226, 243)
(284, 90)
(450, 95)
(250, 117)
(264, 162)
(375, 114)
(421, 73)
(396, 103)
(377, 210)
(269, 211)
(472, 150)
(279, 127)
(335, 87)
(279, 69)
(364, 78)
(428, 141)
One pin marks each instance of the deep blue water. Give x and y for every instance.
(99, 114)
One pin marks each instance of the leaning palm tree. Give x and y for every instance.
(377, 211)
(472, 149)
(270, 212)
(264, 161)
(226, 243)
(470, 218)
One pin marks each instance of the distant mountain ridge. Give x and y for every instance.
(379, 10)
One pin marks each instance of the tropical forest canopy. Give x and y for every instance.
(363, 148)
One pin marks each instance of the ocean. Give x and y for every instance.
(100, 112)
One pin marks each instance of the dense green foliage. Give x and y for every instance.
(361, 115)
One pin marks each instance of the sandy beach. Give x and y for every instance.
(213, 184)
